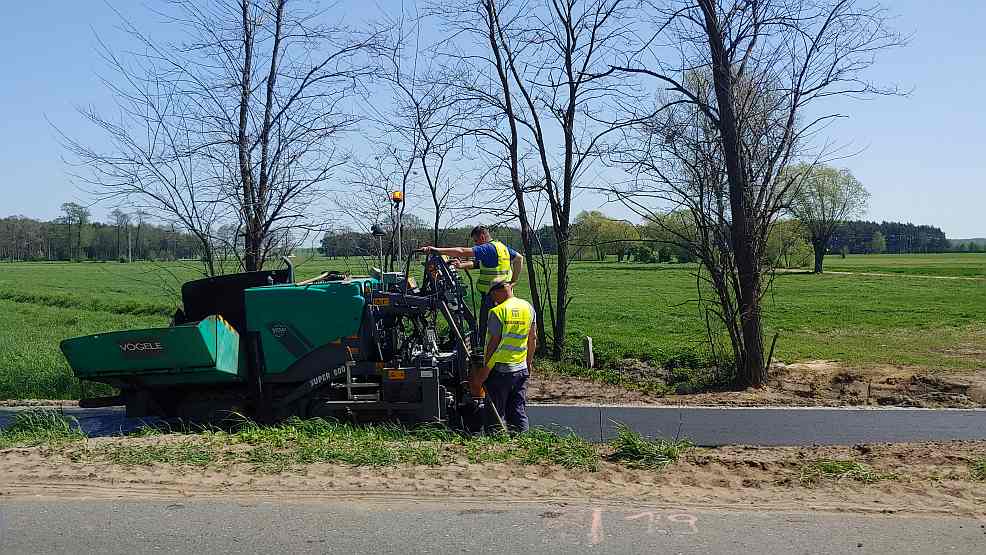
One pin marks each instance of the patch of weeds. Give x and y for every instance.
(269, 460)
(298, 442)
(185, 453)
(636, 451)
(978, 469)
(679, 372)
(437, 433)
(489, 449)
(685, 379)
(536, 446)
(834, 469)
(147, 431)
(40, 427)
(539, 446)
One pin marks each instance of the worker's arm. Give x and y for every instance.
(463, 264)
(480, 375)
(532, 345)
(516, 267)
(449, 251)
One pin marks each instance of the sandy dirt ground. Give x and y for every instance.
(928, 478)
(811, 383)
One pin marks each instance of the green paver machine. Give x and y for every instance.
(263, 345)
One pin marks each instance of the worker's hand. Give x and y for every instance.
(426, 249)
(455, 263)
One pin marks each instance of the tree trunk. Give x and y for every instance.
(249, 204)
(751, 368)
(532, 278)
(561, 296)
(513, 152)
(819, 248)
(137, 245)
(252, 244)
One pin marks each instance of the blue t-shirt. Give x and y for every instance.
(486, 254)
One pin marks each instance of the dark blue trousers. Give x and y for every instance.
(508, 393)
(486, 303)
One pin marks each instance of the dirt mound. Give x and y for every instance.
(810, 383)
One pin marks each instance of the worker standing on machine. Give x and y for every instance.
(496, 261)
(509, 359)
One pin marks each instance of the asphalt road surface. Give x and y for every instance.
(705, 426)
(32, 526)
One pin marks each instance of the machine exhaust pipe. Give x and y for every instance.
(287, 261)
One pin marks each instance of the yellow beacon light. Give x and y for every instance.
(397, 196)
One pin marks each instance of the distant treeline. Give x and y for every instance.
(977, 244)
(413, 235)
(861, 237)
(857, 237)
(75, 238)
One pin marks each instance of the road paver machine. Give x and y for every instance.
(263, 345)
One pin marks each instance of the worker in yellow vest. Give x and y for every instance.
(496, 262)
(511, 340)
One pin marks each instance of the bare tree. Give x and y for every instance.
(825, 198)
(736, 99)
(428, 116)
(367, 201)
(236, 123)
(546, 103)
(120, 220)
(141, 216)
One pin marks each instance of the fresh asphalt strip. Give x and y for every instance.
(705, 426)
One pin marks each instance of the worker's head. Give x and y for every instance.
(480, 235)
(501, 291)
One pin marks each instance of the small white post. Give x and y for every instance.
(590, 357)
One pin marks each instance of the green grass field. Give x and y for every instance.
(944, 265)
(630, 310)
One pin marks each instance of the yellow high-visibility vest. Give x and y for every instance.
(501, 272)
(515, 324)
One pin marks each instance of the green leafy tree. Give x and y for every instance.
(786, 245)
(78, 216)
(825, 198)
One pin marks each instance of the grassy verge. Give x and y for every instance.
(34, 428)
(296, 443)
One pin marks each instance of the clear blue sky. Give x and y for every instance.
(923, 158)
